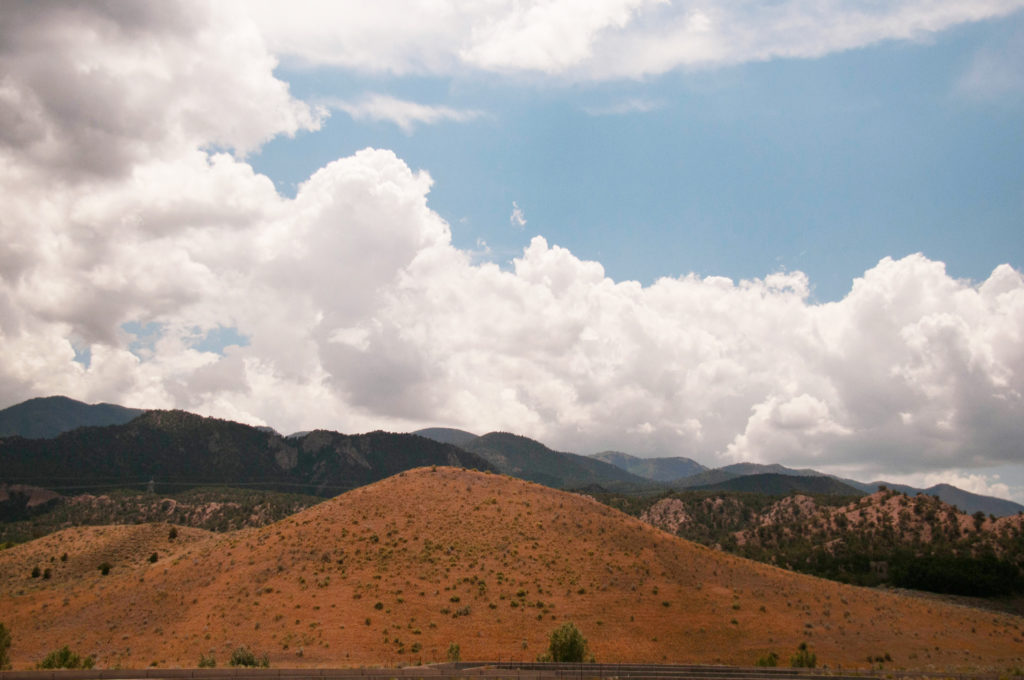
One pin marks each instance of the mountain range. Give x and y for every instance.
(179, 450)
(46, 417)
(183, 449)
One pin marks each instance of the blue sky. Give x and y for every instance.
(822, 165)
(729, 230)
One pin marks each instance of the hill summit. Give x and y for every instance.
(396, 571)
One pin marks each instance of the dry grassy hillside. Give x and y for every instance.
(394, 572)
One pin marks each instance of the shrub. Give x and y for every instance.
(243, 656)
(104, 568)
(65, 658)
(36, 572)
(769, 660)
(567, 644)
(172, 534)
(804, 658)
(207, 661)
(5, 645)
(454, 653)
(153, 558)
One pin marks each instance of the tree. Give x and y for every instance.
(5, 645)
(567, 644)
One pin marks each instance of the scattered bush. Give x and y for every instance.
(566, 644)
(207, 661)
(153, 558)
(243, 656)
(47, 574)
(454, 653)
(769, 660)
(36, 572)
(804, 658)
(5, 645)
(104, 568)
(65, 658)
(172, 534)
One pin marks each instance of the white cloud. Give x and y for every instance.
(361, 314)
(404, 114)
(517, 218)
(996, 70)
(199, 74)
(634, 105)
(590, 39)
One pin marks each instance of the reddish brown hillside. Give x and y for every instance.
(396, 571)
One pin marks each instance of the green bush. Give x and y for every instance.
(243, 656)
(105, 568)
(153, 558)
(769, 660)
(207, 661)
(454, 653)
(567, 644)
(5, 646)
(65, 658)
(804, 658)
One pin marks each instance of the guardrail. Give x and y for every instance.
(495, 670)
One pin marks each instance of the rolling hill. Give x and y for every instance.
(396, 571)
(924, 543)
(47, 417)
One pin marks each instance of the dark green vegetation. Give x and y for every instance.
(210, 508)
(180, 450)
(803, 658)
(65, 658)
(887, 538)
(447, 435)
(243, 656)
(655, 469)
(773, 484)
(530, 460)
(566, 645)
(47, 417)
(5, 648)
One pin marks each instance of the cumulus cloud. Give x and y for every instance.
(360, 313)
(404, 114)
(593, 39)
(90, 90)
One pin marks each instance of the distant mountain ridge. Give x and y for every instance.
(528, 459)
(655, 469)
(447, 435)
(774, 484)
(178, 449)
(47, 417)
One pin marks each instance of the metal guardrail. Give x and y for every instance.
(497, 670)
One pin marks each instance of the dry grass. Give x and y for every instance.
(394, 572)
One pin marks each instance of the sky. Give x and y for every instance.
(783, 232)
